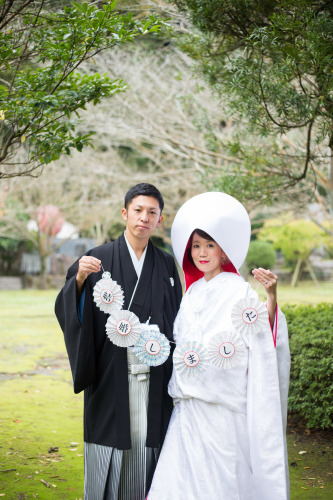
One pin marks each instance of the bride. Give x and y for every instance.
(226, 437)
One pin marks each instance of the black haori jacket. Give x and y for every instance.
(98, 366)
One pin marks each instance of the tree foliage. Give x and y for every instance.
(260, 254)
(41, 49)
(296, 239)
(156, 131)
(273, 62)
(311, 342)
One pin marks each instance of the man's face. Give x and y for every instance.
(142, 215)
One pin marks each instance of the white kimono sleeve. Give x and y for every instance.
(265, 420)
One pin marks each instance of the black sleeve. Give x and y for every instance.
(178, 285)
(171, 264)
(78, 338)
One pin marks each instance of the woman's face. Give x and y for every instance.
(207, 256)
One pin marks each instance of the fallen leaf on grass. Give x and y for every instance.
(46, 483)
(17, 421)
(307, 467)
(72, 449)
(79, 455)
(53, 449)
(303, 488)
(2, 494)
(302, 452)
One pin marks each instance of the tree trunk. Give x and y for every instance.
(330, 177)
(43, 272)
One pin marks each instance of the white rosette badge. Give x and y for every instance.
(226, 349)
(190, 358)
(108, 295)
(123, 328)
(152, 348)
(249, 316)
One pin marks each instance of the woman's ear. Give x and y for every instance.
(225, 259)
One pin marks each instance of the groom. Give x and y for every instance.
(126, 405)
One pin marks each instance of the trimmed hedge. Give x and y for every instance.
(311, 377)
(260, 254)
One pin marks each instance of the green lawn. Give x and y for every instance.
(41, 441)
(304, 293)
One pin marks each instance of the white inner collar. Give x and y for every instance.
(137, 263)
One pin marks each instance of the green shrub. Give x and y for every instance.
(260, 254)
(311, 347)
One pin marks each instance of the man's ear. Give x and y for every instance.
(160, 220)
(124, 213)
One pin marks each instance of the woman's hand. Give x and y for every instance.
(267, 279)
(269, 282)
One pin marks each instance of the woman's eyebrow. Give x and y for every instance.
(208, 241)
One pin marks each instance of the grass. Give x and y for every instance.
(41, 437)
(304, 293)
(41, 450)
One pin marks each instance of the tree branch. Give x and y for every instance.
(308, 154)
(264, 100)
(11, 17)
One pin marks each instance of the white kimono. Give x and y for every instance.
(226, 437)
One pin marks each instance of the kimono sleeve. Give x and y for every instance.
(279, 332)
(283, 359)
(78, 337)
(265, 420)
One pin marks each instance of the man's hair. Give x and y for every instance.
(144, 189)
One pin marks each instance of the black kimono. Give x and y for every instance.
(98, 366)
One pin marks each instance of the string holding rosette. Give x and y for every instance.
(249, 316)
(190, 358)
(226, 350)
(152, 348)
(108, 295)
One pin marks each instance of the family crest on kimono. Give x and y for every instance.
(126, 404)
(226, 437)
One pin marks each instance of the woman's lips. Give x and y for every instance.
(203, 261)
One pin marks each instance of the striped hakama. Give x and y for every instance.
(112, 474)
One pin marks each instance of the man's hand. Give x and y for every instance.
(87, 265)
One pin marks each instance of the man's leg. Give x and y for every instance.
(102, 465)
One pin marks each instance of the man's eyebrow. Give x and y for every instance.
(149, 208)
